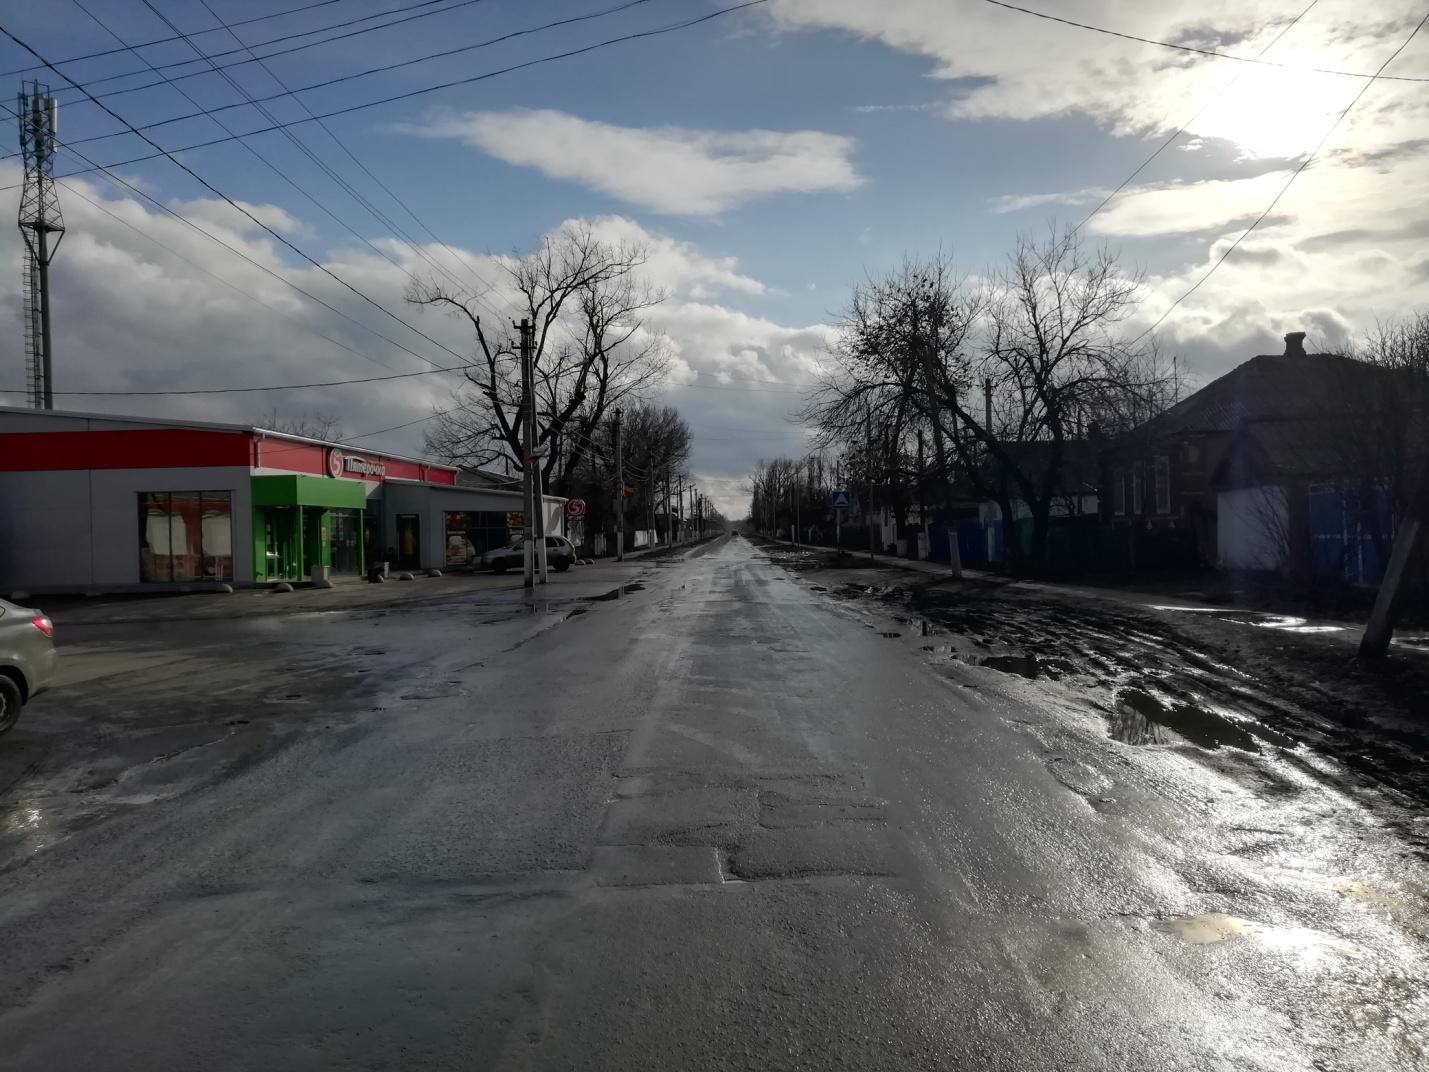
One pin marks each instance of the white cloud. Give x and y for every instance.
(1020, 202)
(133, 316)
(674, 170)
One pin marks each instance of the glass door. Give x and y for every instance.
(346, 541)
(409, 541)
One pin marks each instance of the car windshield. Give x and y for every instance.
(976, 616)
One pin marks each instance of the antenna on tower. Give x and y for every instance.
(40, 218)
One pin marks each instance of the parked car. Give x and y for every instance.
(560, 554)
(27, 659)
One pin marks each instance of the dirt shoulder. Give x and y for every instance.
(1226, 681)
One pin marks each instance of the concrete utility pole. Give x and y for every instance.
(40, 217)
(868, 433)
(619, 492)
(680, 504)
(528, 469)
(1374, 644)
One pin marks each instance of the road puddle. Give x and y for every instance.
(620, 593)
(1306, 947)
(1028, 666)
(1140, 717)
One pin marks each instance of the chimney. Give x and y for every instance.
(1295, 344)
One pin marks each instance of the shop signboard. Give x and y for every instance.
(516, 520)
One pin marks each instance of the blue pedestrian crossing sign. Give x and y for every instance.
(840, 500)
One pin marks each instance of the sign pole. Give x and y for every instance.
(528, 471)
(619, 493)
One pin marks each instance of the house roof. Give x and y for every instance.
(1266, 387)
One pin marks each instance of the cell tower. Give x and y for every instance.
(40, 218)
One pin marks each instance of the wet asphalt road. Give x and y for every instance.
(719, 823)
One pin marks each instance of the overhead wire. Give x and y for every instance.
(1184, 126)
(166, 40)
(351, 77)
(356, 194)
(253, 151)
(1286, 186)
(76, 192)
(1210, 52)
(241, 209)
(423, 90)
(455, 5)
(168, 210)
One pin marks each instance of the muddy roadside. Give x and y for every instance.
(1226, 684)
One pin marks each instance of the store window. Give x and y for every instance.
(471, 533)
(186, 536)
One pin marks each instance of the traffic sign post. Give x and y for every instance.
(839, 500)
(575, 509)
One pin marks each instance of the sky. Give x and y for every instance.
(768, 159)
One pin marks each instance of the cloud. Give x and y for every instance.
(135, 316)
(1020, 202)
(672, 170)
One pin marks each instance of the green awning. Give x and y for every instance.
(299, 490)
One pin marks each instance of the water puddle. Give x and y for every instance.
(1306, 947)
(620, 593)
(1028, 666)
(1288, 623)
(1140, 717)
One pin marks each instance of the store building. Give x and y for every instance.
(111, 503)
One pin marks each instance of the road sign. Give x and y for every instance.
(840, 500)
(630, 491)
(575, 508)
(516, 520)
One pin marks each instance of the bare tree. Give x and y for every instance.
(311, 424)
(591, 350)
(1003, 376)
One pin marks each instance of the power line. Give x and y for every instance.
(349, 188)
(423, 91)
(1182, 128)
(1281, 193)
(342, 78)
(256, 221)
(166, 40)
(292, 37)
(251, 390)
(75, 191)
(251, 150)
(1202, 51)
(119, 181)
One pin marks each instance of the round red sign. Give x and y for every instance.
(575, 508)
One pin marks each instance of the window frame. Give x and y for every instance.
(1162, 490)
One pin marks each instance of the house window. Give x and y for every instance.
(1136, 485)
(1163, 484)
(1118, 492)
(185, 536)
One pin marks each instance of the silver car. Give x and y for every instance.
(27, 659)
(560, 554)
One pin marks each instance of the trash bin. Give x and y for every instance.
(377, 572)
(321, 576)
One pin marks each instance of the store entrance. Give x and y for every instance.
(346, 537)
(281, 558)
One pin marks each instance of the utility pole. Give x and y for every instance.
(39, 218)
(922, 500)
(528, 470)
(619, 492)
(838, 514)
(680, 503)
(868, 433)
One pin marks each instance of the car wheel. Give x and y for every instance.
(562, 565)
(498, 565)
(10, 703)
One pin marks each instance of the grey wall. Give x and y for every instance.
(432, 503)
(80, 529)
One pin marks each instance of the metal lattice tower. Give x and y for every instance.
(40, 218)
